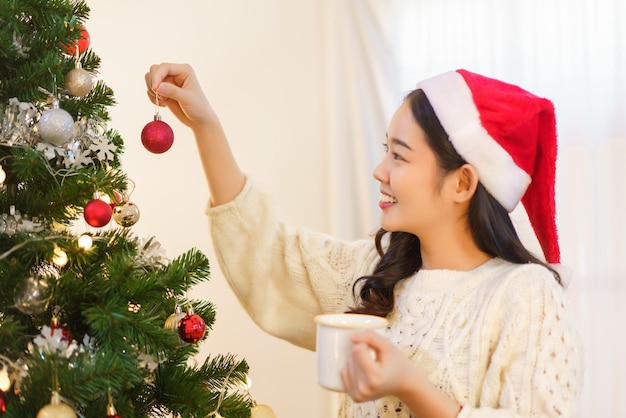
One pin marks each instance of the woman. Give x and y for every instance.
(478, 325)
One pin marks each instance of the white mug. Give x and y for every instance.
(333, 344)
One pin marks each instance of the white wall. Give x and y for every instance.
(260, 64)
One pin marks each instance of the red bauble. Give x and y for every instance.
(83, 43)
(191, 328)
(114, 416)
(98, 213)
(157, 136)
(3, 403)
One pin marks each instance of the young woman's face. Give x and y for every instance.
(410, 179)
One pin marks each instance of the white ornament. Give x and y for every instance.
(56, 126)
(53, 341)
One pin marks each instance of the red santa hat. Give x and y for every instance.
(509, 136)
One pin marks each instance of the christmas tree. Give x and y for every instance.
(94, 321)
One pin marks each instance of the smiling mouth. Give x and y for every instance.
(385, 198)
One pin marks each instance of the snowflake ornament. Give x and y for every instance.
(52, 341)
(103, 148)
(150, 253)
(148, 362)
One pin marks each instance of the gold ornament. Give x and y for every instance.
(262, 411)
(126, 214)
(172, 321)
(56, 409)
(78, 82)
(111, 411)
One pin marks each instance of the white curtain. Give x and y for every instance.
(362, 88)
(570, 51)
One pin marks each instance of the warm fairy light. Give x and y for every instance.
(5, 381)
(60, 257)
(85, 242)
(3, 175)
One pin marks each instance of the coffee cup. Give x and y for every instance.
(333, 344)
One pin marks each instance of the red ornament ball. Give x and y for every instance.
(157, 136)
(3, 403)
(83, 43)
(98, 213)
(114, 416)
(191, 328)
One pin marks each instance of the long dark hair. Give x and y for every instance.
(489, 223)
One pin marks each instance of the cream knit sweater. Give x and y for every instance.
(497, 339)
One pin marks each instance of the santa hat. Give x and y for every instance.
(509, 136)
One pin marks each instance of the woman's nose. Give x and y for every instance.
(380, 173)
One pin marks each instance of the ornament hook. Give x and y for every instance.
(156, 113)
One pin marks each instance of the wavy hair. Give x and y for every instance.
(490, 225)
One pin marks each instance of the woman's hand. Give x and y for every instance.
(377, 368)
(179, 90)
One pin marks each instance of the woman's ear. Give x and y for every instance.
(466, 182)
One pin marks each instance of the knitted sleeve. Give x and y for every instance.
(535, 367)
(283, 277)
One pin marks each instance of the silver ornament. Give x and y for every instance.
(16, 121)
(126, 215)
(56, 126)
(78, 82)
(32, 296)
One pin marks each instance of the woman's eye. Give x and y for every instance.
(394, 155)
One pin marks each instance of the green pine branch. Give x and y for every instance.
(54, 195)
(195, 393)
(114, 297)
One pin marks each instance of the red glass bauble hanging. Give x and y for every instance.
(191, 327)
(98, 213)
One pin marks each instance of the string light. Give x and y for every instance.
(85, 241)
(3, 175)
(5, 381)
(60, 257)
(6, 365)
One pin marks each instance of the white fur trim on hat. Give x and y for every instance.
(452, 101)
